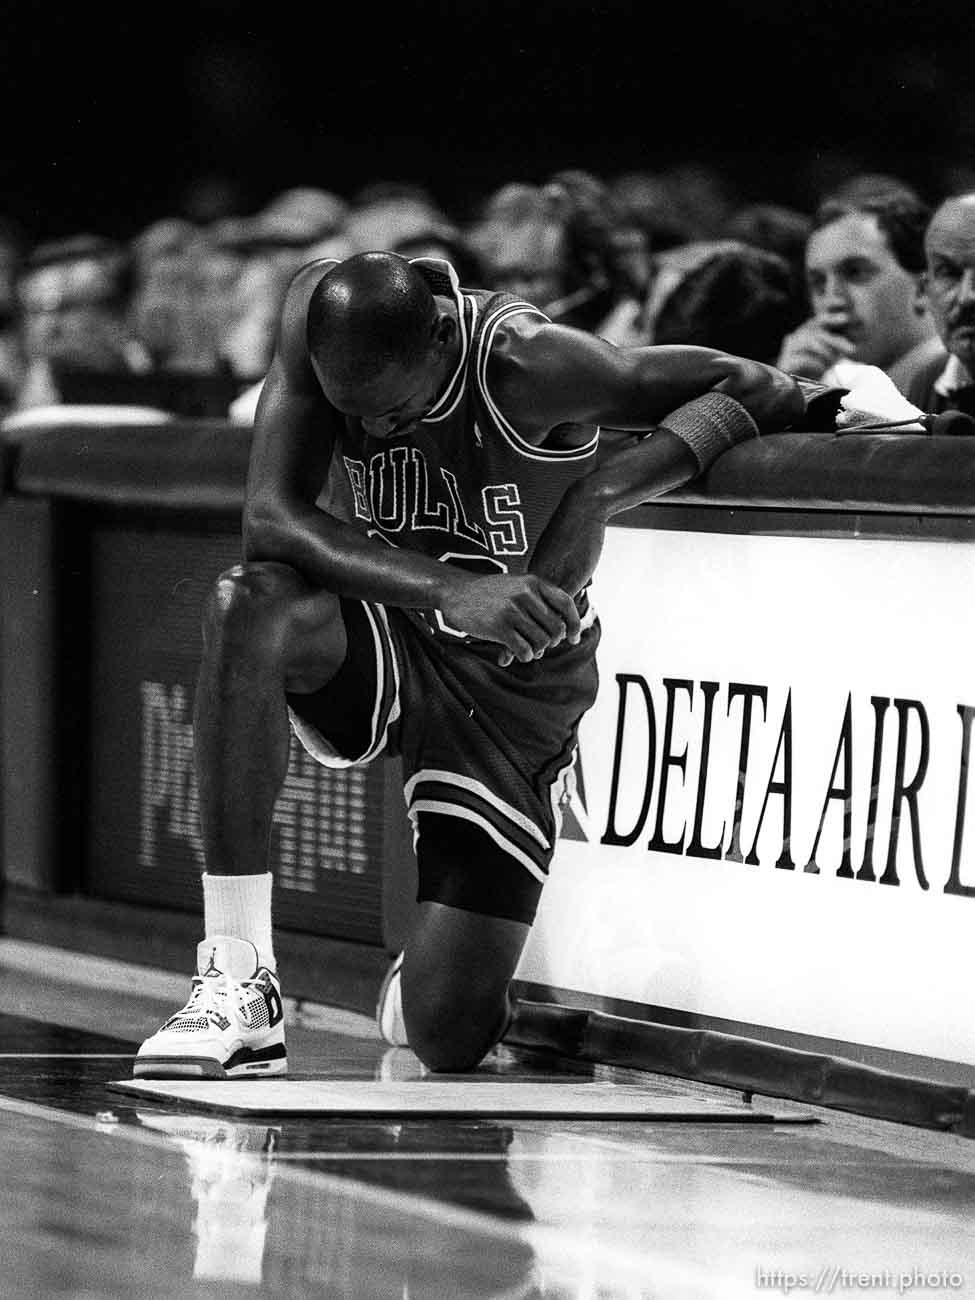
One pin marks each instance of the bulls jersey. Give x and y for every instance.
(464, 486)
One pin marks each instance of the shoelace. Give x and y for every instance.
(213, 995)
(206, 997)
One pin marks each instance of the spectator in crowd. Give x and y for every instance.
(741, 300)
(865, 187)
(864, 260)
(703, 196)
(183, 286)
(75, 295)
(383, 216)
(562, 246)
(272, 246)
(447, 243)
(223, 256)
(947, 383)
(632, 268)
(775, 228)
(605, 253)
(172, 313)
(644, 257)
(669, 267)
(254, 260)
(300, 215)
(518, 238)
(393, 192)
(11, 343)
(652, 223)
(652, 203)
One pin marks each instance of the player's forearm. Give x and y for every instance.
(637, 472)
(331, 554)
(568, 551)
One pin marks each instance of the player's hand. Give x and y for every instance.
(812, 348)
(525, 615)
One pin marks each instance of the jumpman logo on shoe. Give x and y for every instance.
(212, 968)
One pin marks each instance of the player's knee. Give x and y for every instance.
(246, 609)
(447, 1052)
(452, 1035)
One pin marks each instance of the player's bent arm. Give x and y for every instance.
(293, 443)
(555, 375)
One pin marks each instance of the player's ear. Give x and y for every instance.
(444, 330)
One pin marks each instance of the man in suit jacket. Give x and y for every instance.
(948, 287)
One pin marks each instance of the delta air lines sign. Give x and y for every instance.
(772, 821)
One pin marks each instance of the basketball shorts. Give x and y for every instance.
(488, 752)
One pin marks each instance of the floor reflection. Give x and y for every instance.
(103, 1195)
(249, 1229)
(231, 1168)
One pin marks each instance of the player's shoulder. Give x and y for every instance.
(292, 345)
(504, 316)
(302, 285)
(514, 331)
(535, 369)
(524, 343)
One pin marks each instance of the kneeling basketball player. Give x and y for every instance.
(425, 505)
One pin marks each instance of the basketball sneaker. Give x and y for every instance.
(232, 1025)
(389, 1008)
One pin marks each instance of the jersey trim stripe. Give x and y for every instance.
(457, 798)
(386, 708)
(481, 791)
(505, 428)
(468, 814)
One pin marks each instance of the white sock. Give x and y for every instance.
(240, 907)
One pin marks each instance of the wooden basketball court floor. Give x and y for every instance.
(104, 1194)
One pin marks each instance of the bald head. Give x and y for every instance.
(956, 213)
(949, 280)
(370, 312)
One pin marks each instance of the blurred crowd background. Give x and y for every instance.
(650, 187)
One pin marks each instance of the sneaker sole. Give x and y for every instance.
(266, 1062)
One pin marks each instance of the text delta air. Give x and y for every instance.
(900, 739)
